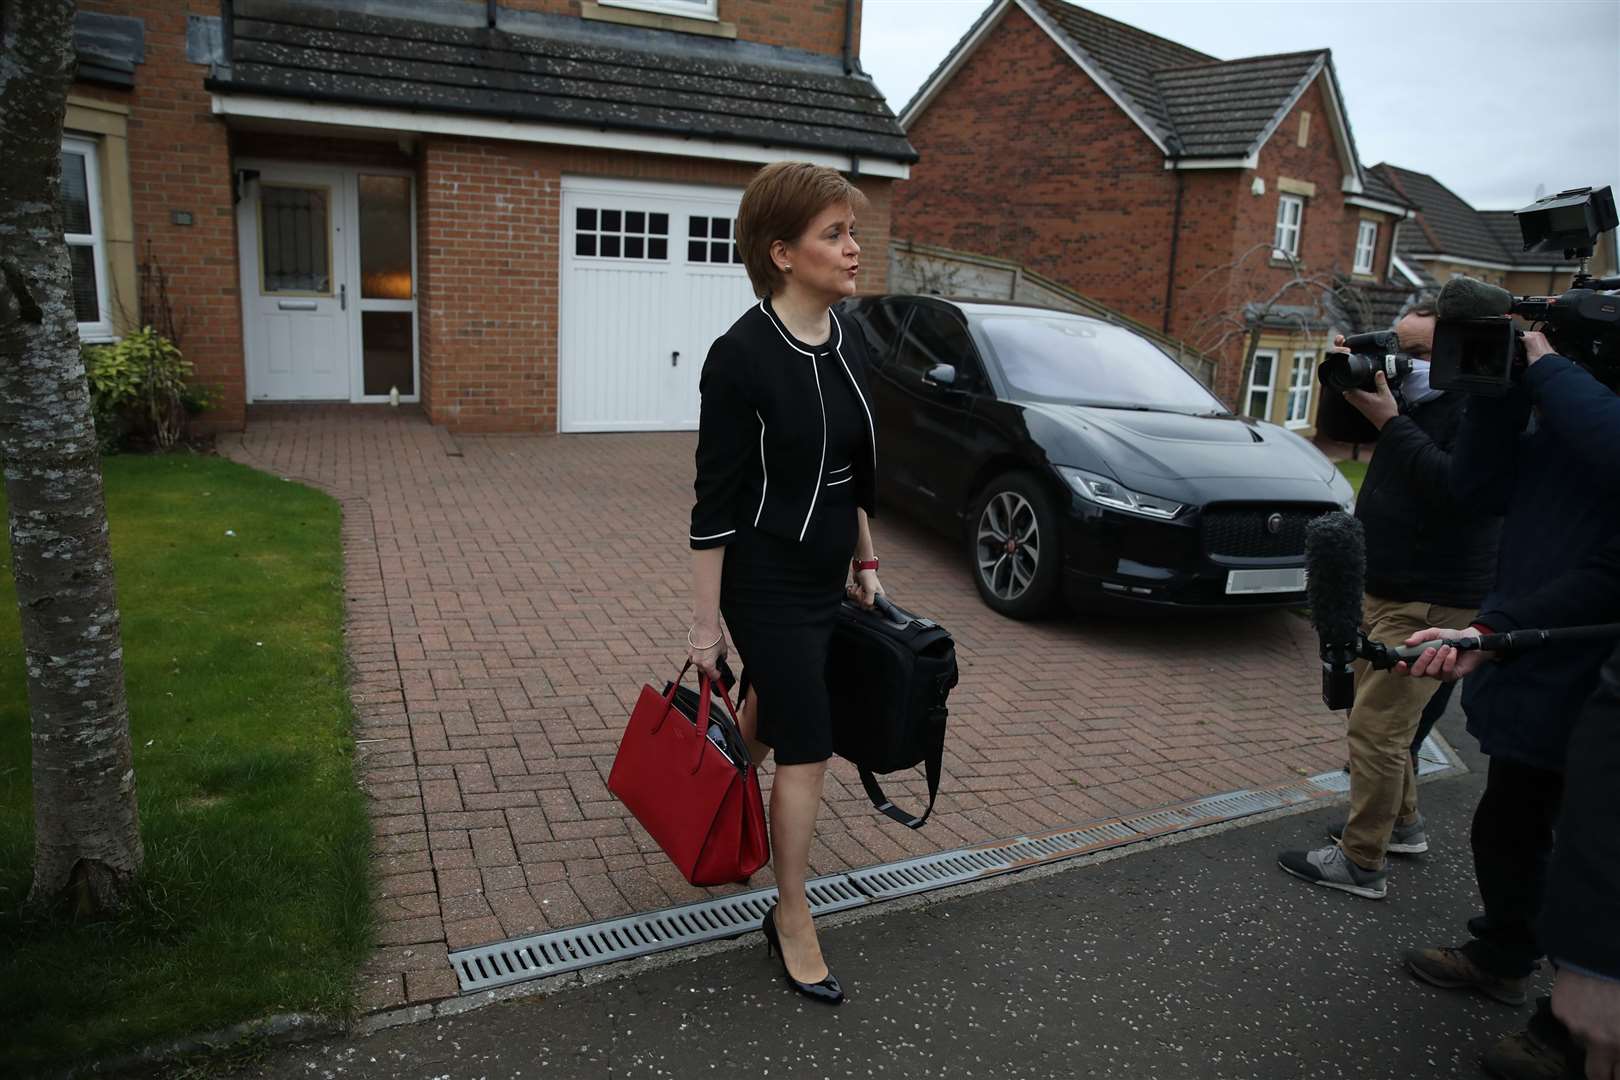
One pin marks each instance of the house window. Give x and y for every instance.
(82, 230)
(691, 9)
(1299, 390)
(712, 240)
(1366, 244)
(1290, 211)
(1258, 401)
(620, 234)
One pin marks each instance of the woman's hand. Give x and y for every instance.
(706, 660)
(865, 587)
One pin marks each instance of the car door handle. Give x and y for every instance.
(296, 305)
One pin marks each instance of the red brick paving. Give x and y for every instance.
(509, 595)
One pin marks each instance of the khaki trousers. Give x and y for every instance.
(1383, 786)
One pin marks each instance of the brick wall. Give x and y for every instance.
(814, 25)
(1024, 158)
(179, 159)
(487, 221)
(488, 232)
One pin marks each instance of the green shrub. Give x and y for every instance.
(141, 386)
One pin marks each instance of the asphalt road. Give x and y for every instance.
(1198, 958)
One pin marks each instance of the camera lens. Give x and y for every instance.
(1348, 371)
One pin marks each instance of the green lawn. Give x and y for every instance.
(1355, 472)
(254, 897)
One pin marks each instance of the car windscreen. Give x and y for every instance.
(1073, 360)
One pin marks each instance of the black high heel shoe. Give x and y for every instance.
(827, 991)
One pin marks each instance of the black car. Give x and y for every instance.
(1074, 457)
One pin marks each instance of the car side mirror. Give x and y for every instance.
(941, 375)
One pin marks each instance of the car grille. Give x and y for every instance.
(1241, 532)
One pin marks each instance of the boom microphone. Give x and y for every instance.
(1468, 298)
(1335, 567)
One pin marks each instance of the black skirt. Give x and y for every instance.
(780, 600)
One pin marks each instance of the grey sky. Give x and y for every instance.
(1491, 98)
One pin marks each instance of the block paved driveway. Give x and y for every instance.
(507, 597)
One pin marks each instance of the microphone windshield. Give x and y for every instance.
(1336, 566)
(1467, 298)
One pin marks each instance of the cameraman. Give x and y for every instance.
(1580, 922)
(1544, 456)
(1422, 570)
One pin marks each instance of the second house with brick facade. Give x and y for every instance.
(1184, 191)
(519, 214)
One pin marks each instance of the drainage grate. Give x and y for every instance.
(559, 951)
(521, 959)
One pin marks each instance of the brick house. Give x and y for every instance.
(518, 215)
(1449, 237)
(1174, 187)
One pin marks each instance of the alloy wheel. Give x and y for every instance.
(1008, 545)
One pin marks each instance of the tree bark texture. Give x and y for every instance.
(87, 835)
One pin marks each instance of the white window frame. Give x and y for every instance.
(1258, 388)
(102, 328)
(1298, 413)
(685, 9)
(1366, 246)
(1285, 237)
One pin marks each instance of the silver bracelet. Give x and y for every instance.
(703, 648)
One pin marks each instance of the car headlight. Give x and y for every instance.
(1109, 493)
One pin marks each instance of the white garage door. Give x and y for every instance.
(650, 277)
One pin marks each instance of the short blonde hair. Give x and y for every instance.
(781, 201)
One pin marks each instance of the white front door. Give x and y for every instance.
(649, 279)
(328, 282)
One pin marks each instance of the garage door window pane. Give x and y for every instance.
(620, 234)
(718, 232)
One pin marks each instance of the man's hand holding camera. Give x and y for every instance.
(1536, 346)
(1378, 406)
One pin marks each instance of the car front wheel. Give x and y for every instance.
(1015, 548)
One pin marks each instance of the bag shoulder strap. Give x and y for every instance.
(881, 802)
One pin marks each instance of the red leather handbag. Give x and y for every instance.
(695, 792)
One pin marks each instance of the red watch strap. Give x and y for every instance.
(864, 564)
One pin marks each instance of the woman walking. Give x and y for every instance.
(786, 464)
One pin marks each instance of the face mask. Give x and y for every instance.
(1415, 387)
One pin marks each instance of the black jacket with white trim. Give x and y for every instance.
(762, 431)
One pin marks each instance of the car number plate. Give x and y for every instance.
(1265, 581)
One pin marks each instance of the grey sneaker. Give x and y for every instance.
(1331, 867)
(1410, 839)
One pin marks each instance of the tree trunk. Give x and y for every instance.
(87, 836)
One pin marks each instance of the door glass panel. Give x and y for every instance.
(385, 238)
(294, 227)
(385, 342)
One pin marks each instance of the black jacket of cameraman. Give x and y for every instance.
(1545, 456)
(1580, 920)
(1423, 545)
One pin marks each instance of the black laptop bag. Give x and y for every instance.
(888, 675)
